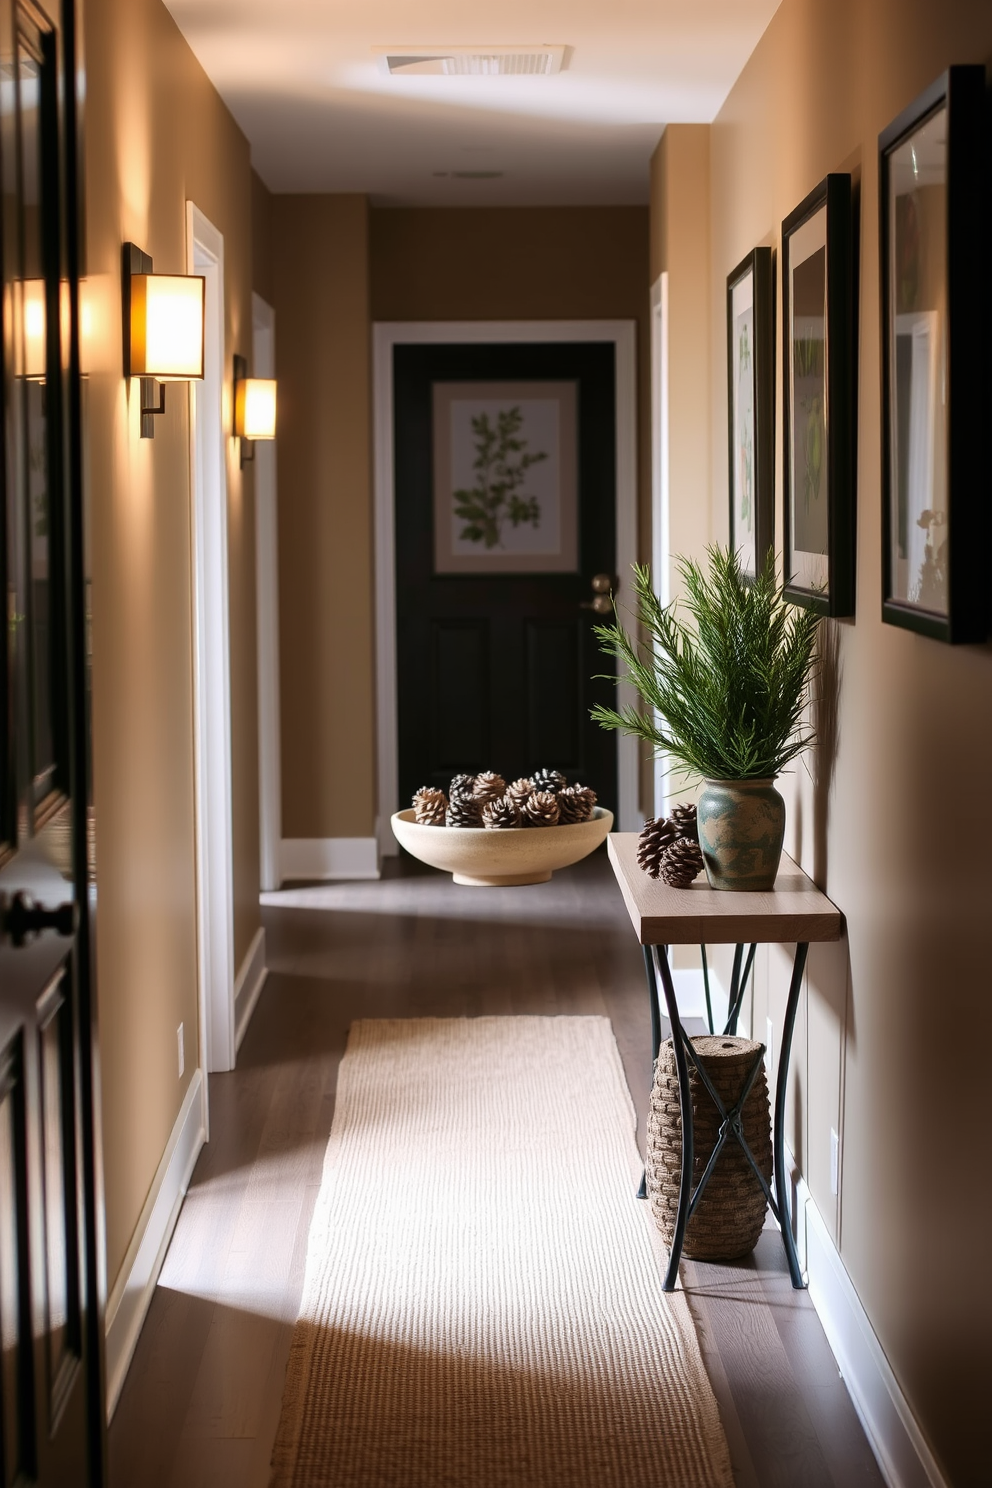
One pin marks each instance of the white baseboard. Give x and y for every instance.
(690, 990)
(903, 1456)
(248, 985)
(329, 857)
(128, 1304)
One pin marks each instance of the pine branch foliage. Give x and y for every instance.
(725, 690)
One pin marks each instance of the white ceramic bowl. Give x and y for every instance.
(514, 855)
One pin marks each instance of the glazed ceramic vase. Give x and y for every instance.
(741, 830)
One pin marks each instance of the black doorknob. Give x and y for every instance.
(20, 916)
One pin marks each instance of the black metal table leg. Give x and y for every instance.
(685, 1110)
(781, 1090)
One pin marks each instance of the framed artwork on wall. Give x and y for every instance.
(935, 267)
(819, 390)
(751, 407)
(505, 477)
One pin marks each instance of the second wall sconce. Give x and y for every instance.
(163, 330)
(254, 408)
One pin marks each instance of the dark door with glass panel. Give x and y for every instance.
(51, 1410)
(505, 462)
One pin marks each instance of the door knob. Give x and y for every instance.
(601, 603)
(21, 916)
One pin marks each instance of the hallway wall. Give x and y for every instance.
(157, 134)
(891, 1051)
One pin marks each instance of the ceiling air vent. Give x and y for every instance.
(494, 61)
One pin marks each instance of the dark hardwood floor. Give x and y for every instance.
(201, 1402)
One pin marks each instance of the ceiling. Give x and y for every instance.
(303, 81)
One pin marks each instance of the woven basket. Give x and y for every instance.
(731, 1212)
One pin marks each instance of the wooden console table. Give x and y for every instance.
(794, 911)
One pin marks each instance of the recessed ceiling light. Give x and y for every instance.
(460, 61)
(479, 175)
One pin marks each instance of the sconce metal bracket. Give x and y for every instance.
(240, 374)
(135, 261)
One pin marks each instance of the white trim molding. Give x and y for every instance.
(903, 1455)
(386, 335)
(329, 857)
(263, 319)
(211, 657)
(248, 985)
(130, 1299)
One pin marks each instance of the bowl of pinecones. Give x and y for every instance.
(485, 832)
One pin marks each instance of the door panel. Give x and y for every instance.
(499, 671)
(51, 1395)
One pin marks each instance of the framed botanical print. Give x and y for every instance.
(751, 407)
(505, 477)
(935, 361)
(819, 398)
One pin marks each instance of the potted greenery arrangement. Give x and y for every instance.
(724, 695)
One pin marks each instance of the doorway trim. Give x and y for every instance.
(211, 659)
(385, 336)
(263, 353)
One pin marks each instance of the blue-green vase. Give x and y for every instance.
(741, 830)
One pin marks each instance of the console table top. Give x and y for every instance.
(794, 910)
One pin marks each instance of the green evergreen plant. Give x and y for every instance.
(725, 689)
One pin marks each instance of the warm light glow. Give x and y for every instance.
(33, 301)
(167, 326)
(255, 408)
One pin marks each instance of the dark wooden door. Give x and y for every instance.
(51, 1406)
(499, 671)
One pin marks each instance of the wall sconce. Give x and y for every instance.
(254, 408)
(34, 323)
(163, 330)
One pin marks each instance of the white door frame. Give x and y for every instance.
(661, 548)
(263, 323)
(211, 653)
(387, 334)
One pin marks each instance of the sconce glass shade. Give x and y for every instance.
(34, 323)
(255, 408)
(167, 326)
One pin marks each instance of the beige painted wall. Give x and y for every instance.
(891, 1049)
(156, 135)
(321, 296)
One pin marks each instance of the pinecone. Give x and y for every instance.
(500, 814)
(548, 780)
(681, 863)
(429, 806)
(488, 787)
(656, 835)
(463, 811)
(540, 810)
(461, 785)
(683, 819)
(520, 789)
(575, 804)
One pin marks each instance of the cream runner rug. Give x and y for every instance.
(483, 1304)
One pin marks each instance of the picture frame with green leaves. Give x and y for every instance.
(819, 398)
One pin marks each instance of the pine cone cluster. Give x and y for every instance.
(668, 847)
(429, 806)
(544, 799)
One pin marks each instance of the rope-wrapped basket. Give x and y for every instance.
(731, 1212)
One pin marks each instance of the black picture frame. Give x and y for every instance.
(935, 376)
(751, 407)
(819, 398)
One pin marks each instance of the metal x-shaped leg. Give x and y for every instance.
(656, 964)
